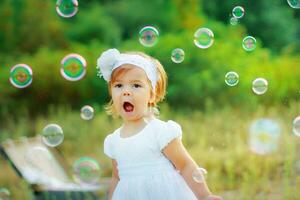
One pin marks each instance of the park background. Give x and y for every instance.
(215, 118)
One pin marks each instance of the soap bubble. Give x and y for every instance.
(203, 38)
(20, 76)
(264, 136)
(148, 36)
(66, 8)
(199, 175)
(177, 55)
(86, 170)
(4, 194)
(231, 78)
(73, 67)
(238, 12)
(260, 86)
(249, 43)
(294, 3)
(87, 112)
(296, 126)
(52, 135)
(233, 21)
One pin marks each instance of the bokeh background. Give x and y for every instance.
(215, 117)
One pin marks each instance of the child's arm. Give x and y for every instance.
(178, 155)
(114, 180)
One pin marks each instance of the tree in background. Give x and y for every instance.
(274, 22)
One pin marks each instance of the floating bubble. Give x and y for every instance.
(148, 36)
(234, 21)
(20, 76)
(231, 78)
(87, 112)
(296, 126)
(238, 12)
(294, 3)
(67, 8)
(203, 38)
(4, 194)
(73, 67)
(297, 166)
(199, 175)
(86, 170)
(264, 136)
(249, 43)
(52, 135)
(260, 86)
(177, 55)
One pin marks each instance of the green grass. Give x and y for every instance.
(217, 140)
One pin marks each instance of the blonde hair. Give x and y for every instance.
(160, 89)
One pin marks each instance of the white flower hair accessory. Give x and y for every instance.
(106, 62)
(112, 59)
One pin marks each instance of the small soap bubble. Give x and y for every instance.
(66, 8)
(86, 170)
(87, 112)
(148, 36)
(231, 78)
(264, 136)
(249, 43)
(199, 175)
(203, 38)
(296, 126)
(177, 55)
(234, 21)
(260, 86)
(238, 12)
(20, 76)
(4, 194)
(294, 3)
(73, 67)
(52, 135)
(297, 166)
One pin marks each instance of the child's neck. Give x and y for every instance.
(130, 128)
(133, 122)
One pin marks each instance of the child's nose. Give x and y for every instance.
(126, 91)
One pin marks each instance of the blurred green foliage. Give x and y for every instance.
(33, 33)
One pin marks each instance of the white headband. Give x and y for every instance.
(112, 59)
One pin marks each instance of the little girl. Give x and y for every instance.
(148, 158)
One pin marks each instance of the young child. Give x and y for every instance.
(148, 158)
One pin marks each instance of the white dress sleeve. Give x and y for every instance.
(171, 131)
(107, 147)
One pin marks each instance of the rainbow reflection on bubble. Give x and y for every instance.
(148, 36)
(73, 67)
(86, 170)
(20, 76)
(264, 136)
(66, 8)
(203, 38)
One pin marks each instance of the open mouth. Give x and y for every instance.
(128, 107)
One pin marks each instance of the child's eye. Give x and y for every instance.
(118, 85)
(136, 85)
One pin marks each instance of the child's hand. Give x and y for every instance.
(213, 197)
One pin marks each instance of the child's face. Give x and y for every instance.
(130, 92)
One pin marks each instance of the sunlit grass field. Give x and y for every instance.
(217, 139)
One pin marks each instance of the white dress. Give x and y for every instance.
(145, 173)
